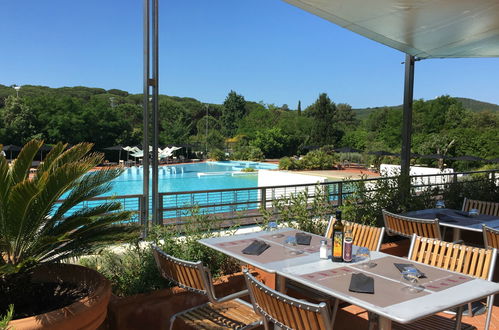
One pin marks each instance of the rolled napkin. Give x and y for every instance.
(401, 268)
(303, 239)
(256, 248)
(361, 283)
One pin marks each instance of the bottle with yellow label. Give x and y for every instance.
(338, 238)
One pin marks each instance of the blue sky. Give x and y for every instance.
(265, 50)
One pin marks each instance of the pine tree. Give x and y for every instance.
(299, 108)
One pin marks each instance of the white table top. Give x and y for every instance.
(404, 312)
(456, 219)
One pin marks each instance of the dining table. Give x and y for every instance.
(391, 300)
(457, 220)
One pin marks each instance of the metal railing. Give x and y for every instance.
(227, 204)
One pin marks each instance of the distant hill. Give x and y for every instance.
(470, 104)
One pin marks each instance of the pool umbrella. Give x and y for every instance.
(347, 150)
(118, 147)
(468, 158)
(10, 148)
(381, 153)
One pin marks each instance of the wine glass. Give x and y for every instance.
(411, 275)
(364, 254)
(440, 204)
(473, 213)
(272, 227)
(290, 246)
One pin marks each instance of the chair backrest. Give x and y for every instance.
(468, 260)
(285, 311)
(363, 235)
(192, 276)
(396, 224)
(489, 208)
(490, 237)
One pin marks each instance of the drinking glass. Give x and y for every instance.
(411, 275)
(473, 213)
(290, 246)
(364, 255)
(272, 227)
(440, 204)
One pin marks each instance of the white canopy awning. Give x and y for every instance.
(421, 28)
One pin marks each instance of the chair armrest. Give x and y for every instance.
(233, 296)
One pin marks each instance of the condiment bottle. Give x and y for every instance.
(338, 238)
(323, 249)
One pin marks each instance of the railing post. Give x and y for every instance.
(160, 209)
(340, 193)
(263, 198)
(143, 215)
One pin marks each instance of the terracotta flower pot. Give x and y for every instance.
(87, 313)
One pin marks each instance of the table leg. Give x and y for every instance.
(280, 284)
(384, 323)
(456, 234)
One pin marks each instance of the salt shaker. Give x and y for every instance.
(323, 249)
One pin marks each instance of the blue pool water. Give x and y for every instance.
(191, 177)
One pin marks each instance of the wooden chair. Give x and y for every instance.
(219, 313)
(284, 311)
(363, 235)
(406, 226)
(489, 208)
(468, 260)
(490, 237)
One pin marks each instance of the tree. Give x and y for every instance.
(19, 121)
(299, 108)
(323, 112)
(272, 142)
(234, 109)
(345, 115)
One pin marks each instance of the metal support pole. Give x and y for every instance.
(155, 105)
(407, 116)
(405, 156)
(145, 142)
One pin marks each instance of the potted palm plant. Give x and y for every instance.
(38, 232)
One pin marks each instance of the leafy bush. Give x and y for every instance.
(318, 160)
(313, 160)
(131, 271)
(248, 153)
(287, 163)
(217, 154)
(368, 198)
(478, 186)
(5, 319)
(248, 169)
(134, 270)
(302, 210)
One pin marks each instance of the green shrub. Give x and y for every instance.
(318, 160)
(134, 270)
(217, 154)
(248, 169)
(368, 198)
(302, 210)
(131, 271)
(248, 153)
(287, 163)
(5, 319)
(478, 186)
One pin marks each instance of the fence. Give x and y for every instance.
(244, 203)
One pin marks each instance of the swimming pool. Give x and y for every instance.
(192, 177)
